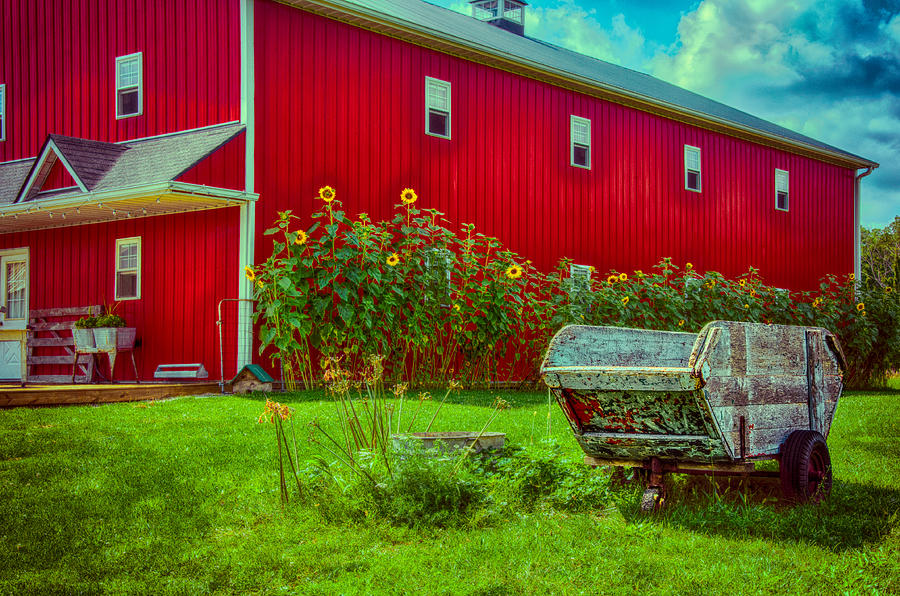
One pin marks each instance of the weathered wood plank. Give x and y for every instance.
(743, 391)
(760, 442)
(89, 394)
(51, 342)
(55, 378)
(58, 326)
(816, 378)
(762, 416)
(71, 311)
(67, 360)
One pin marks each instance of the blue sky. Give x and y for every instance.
(828, 69)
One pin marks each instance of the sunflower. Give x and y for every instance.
(743, 282)
(625, 301)
(888, 289)
(260, 284)
(301, 238)
(817, 302)
(861, 306)
(326, 193)
(592, 269)
(711, 284)
(393, 259)
(248, 271)
(688, 266)
(408, 196)
(612, 279)
(851, 277)
(623, 277)
(514, 272)
(681, 323)
(456, 307)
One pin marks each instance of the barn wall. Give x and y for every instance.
(57, 59)
(189, 263)
(344, 106)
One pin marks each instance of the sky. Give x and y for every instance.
(829, 69)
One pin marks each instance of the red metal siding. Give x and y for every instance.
(189, 263)
(343, 106)
(57, 58)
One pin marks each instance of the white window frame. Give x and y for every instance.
(3, 112)
(15, 254)
(786, 190)
(139, 56)
(580, 274)
(584, 142)
(687, 150)
(431, 107)
(137, 269)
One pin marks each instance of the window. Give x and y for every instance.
(691, 168)
(129, 83)
(580, 141)
(128, 268)
(2, 112)
(580, 275)
(437, 108)
(487, 10)
(439, 265)
(781, 189)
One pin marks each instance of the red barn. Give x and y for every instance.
(145, 145)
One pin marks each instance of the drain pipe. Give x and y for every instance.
(857, 255)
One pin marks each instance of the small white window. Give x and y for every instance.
(580, 142)
(2, 112)
(781, 189)
(581, 277)
(128, 268)
(437, 108)
(692, 168)
(129, 86)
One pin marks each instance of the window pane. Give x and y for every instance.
(15, 290)
(581, 132)
(128, 73)
(580, 155)
(437, 123)
(128, 102)
(781, 200)
(126, 285)
(693, 180)
(438, 97)
(692, 159)
(127, 256)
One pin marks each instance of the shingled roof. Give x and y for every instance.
(104, 166)
(442, 28)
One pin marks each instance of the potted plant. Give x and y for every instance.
(83, 334)
(107, 330)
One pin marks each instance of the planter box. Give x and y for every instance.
(84, 340)
(105, 338)
(446, 442)
(125, 338)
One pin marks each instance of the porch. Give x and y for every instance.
(13, 395)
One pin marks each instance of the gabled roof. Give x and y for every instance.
(459, 34)
(100, 166)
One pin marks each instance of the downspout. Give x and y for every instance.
(248, 210)
(857, 254)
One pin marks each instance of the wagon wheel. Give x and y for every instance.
(805, 467)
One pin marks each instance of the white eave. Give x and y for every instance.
(80, 208)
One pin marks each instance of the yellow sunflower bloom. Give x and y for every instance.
(456, 307)
(625, 301)
(623, 277)
(326, 193)
(514, 272)
(888, 289)
(592, 269)
(817, 302)
(408, 196)
(301, 238)
(681, 323)
(861, 306)
(248, 271)
(393, 259)
(260, 284)
(743, 282)
(711, 284)
(852, 277)
(612, 279)
(688, 266)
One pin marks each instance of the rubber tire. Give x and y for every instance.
(805, 467)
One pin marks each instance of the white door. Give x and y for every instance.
(14, 298)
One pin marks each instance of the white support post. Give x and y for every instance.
(248, 210)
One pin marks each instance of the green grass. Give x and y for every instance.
(181, 497)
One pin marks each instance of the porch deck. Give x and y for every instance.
(12, 395)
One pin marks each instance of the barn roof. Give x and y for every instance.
(450, 31)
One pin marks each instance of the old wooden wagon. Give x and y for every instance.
(711, 402)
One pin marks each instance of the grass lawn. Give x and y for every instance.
(181, 496)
